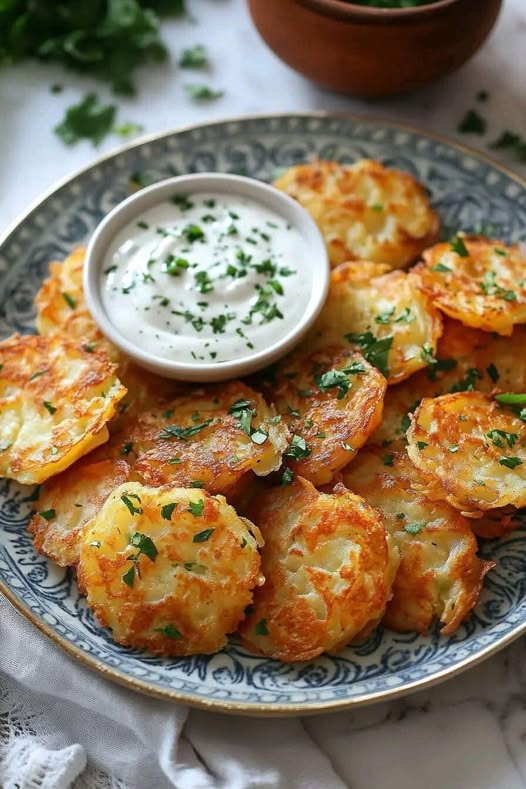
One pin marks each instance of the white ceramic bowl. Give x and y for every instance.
(315, 265)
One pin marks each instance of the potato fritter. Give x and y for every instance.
(478, 281)
(364, 211)
(331, 401)
(56, 398)
(209, 438)
(389, 319)
(439, 573)
(168, 569)
(61, 307)
(328, 571)
(68, 501)
(470, 450)
(473, 359)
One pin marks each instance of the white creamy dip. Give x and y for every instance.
(206, 277)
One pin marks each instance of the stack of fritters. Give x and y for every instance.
(339, 488)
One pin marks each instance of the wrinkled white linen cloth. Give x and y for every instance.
(62, 725)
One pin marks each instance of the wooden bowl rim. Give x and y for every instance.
(347, 11)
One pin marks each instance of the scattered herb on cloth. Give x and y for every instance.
(107, 39)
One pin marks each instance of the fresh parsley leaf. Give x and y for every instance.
(388, 460)
(70, 301)
(48, 515)
(145, 546)
(376, 351)
(493, 372)
(127, 500)
(260, 628)
(472, 123)
(194, 57)
(203, 92)
(203, 536)
(87, 120)
(287, 477)
(167, 510)
(441, 268)
(196, 508)
(512, 142)
(129, 577)
(498, 437)
(422, 445)
(170, 632)
(510, 462)
(334, 379)
(511, 398)
(177, 431)
(458, 245)
(49, 407)
(298, 449)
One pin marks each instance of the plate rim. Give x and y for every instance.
(256, 709)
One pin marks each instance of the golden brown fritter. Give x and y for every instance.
(479, 281)
(440, 574)
(470, 451)
(168, 569)
(364, 211)
(211, 437)
(56, 399)
(331, 401)
(61, 307)
(388, 319)
(328, 571)
(68, 501)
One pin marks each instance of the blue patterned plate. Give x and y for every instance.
(468, 192)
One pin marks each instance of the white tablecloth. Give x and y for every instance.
(56, 716)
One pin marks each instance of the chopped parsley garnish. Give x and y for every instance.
(493, 372)
(194, 567)
(177, 431)
(414, 528)
(203, 282)
(441, 268)
(243, 411)
(347, 447)
(453, 448)
(174, 461)
(127, 448)
(510, 462)
(287, 477)
(203, 536)
(202, 92)
(70, 301)
(196, 508)
(458, 246)
(260, 628)
(422, 445)
(144, 545)
(129, 577)
(175, 265)
(490, 288)
(468, 383)
(298, 449)
(38, 374)
(376, 351)
(167, 510)
(193, 233)
(169, 631)
(512, 142)
(472, 123)
(387, 317)
(388, 460)
(334, 379)
(182, 201)
(127, 500)
(48, 515)
(498, 437)
(49, 407)
(259, 436)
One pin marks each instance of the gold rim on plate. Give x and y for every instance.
(219, 705)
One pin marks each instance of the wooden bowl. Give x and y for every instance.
(373, 52)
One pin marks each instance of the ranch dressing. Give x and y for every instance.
(206, 277)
